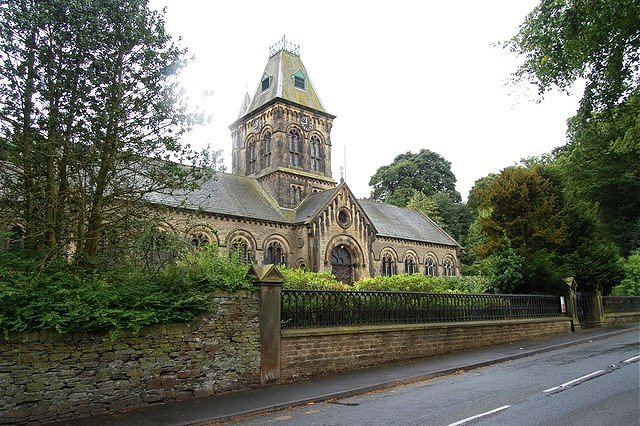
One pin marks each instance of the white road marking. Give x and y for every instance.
(632, 359)
(468, 419)
(579, 379)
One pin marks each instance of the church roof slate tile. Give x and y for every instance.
(241, 196)
(406, 224)
(227, 194)
(312, 205)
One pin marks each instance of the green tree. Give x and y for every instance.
(630, 284)
(504, 270)
(473, 201)
(90, 112)
(420, 202)
(598, 41)
(586, 254)
(603, 167)
(555, 232)
(524, 206)
(426, 171)
(456, 216)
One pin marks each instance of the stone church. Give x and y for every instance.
(281, 205)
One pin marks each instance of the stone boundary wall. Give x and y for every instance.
(312, 352)
(621, 318)
(47, 377)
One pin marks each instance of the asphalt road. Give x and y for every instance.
(596, 383)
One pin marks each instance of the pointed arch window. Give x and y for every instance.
(240, 248)
(295, 195)
(199, 240)
(316, 154)
(410, 265)
(430, 267)
(266, 144)
(299, 80)
(388, 265)
(448, 268)
(251, 158)
(294, 148)
(275, 254)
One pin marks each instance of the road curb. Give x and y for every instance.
(405, 380)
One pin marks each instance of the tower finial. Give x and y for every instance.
(283, 44)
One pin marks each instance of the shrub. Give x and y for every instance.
(306, 280)
(422, 283)
(56, 296)
(630, 284)
(301, 279)
(414, 282)
(216, 270)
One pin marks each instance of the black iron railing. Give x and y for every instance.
(612, 304)
(323, 308)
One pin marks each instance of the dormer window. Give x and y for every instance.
(298, 80)
(266, 82)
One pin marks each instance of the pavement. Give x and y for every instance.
(218, 408)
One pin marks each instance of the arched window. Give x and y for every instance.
(275, 254)
(342, 264)
(387, 265)
(410, 265)
(295, 195)
(430, 267)
(251, 158)
(199, 240)
(448, 268)
(294, 148)
(316, 154)
(240, 248)
(266, 147)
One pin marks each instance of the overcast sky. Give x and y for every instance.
(399, 75)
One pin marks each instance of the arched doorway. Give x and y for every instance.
(342, 264)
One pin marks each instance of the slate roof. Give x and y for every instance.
(280, 68)
(311, 205)
(396, 222)
(226, 194)
(242, 196)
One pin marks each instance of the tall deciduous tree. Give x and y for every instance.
(603, 167)
(426, 171)
(598, 40)
(420, 202)
(90, 112)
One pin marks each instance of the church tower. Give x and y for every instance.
(282, 136)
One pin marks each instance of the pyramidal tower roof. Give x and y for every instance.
(285, 77)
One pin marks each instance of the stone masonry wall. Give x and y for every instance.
(312, 352)
(48, 377)
(621, 318)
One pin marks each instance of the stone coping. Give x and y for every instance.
(622, 314)
(388, 328)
